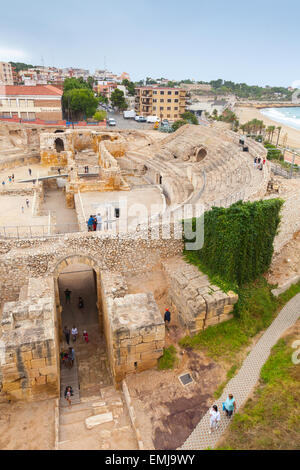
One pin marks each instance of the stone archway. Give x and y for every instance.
(59, 145)
(63, 264)
(200, 154)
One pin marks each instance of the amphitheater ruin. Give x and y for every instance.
(140, 182)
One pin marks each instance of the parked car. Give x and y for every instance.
(111, 122)
(129, 114)
(140, 119)
(153, 119)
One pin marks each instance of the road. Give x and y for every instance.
(122, 123)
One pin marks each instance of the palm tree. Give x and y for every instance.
(272, 132)
(279, 130)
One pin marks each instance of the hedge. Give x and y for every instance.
(238, 241)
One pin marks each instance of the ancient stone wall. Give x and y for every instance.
(128, 252)
(133, 326)
(194, 301)
(29, 367)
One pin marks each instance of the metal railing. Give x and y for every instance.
(41, 231)
(278, 170)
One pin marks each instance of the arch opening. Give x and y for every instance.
(59, 145)
(200, 154)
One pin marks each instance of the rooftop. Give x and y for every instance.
(17, 90)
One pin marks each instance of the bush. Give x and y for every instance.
(100, 115)
(168, 359)
(238, 241)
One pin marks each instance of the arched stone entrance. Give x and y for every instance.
(59, 145)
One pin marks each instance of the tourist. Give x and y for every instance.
(29, 171)
(264, 161)
(22, 209)
(90, 223)
(27, 202)
(167, 317)
(87, 169)
(80, 302)
(64, 358)
(68, 296)
(71, 357)
(74, 333)
(99, 221)
(13, 177)
(214, 418)
(58, 171)
(260, 167)
(255, 162)
(86, 336)
(258, 160)
(66, 332)
(68, 394)
(9, 179)
(3, 183)
(95, 223)
(229, 405)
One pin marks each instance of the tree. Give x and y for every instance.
(130, 87)
(189, 117)
(278, 135)
(102, 99)
(100, 115)
(71, 83)
(118, 100)
(90, 82)
(179, 123)
(79, 103)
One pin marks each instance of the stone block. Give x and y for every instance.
(228, 309)
(51, 378)
(27, 356)
(97, 420)
(38, 363)
(48, 370)
(33, 373)
(41, 380)
(10, 386)
(225, 317)
(143, 347)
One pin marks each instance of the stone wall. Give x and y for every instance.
(133, 326)
(130, 252)
(29, 367)
(194, 301)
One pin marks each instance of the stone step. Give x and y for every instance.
(70, 415)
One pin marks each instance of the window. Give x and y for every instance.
(169, 93)
(175, 109)
(169, 101)
(154, 100)
(22, 103)
(154, 92)
(176, 101)
(169, 109)
(161, 108)
(162, 100)
(176, 92)
(30, 103)
(154, 108)
(175, 115)
(162, 92)
(13, 102)
(168, 115)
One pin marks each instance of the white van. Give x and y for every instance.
(153, 119)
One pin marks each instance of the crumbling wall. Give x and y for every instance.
(29, 367)
(133, 326)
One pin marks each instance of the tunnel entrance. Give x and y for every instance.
(90, 370)
(59, 145)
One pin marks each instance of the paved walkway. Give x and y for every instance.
(244, 382)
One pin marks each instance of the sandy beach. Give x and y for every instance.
(247, 113)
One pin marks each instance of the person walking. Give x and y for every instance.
(13, 177)
(255, 162)
(67, 333)
(68, 296)
(80, 303)
(229, 405)
(29, 171)
(71, 357)
(68, 394)
(167, 317)
(86, 336)
(27, 203)
(58, 171)
(22, 209)
(90, 223)
(215, 418)
(74, 333)
(99, 222)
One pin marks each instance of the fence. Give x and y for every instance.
(278, 170)
(50, 230)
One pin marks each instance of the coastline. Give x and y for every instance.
(248, 113)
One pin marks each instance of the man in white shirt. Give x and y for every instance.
(99, 222)
(74, 333)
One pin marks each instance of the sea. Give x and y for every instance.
(288, 116)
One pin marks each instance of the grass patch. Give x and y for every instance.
(230, 374)
(169, 358)
(271, 420)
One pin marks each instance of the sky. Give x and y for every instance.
(256, 42)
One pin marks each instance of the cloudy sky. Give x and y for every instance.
(256, 42)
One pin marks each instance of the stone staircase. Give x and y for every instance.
(112, 431)
(69, 377)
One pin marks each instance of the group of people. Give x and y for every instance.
(259, 163)
(86, 169)
(229, 406)
(94, 223)
(27, 205)
(11, 179)
(68, 357)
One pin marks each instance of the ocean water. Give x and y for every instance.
(288, 116)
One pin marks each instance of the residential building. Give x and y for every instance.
(6, 74)
(164, 102)
(31, 102)
(105, 88)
